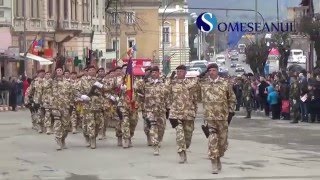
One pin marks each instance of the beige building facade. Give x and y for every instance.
(134, 23)
(65, 26)
(174, 32)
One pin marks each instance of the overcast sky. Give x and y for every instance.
(268, 8)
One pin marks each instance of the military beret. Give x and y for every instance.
(155, 68)
(59, 67)
(73, 72)
(125, 65)
(91, 67)
(100, 69)
(41, 71)
(249, 74)
(214, 65)
(67, 70)
(149, 68)
(118, 67)
(85, 69)
(181, 67)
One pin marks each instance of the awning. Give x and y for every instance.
(138, 71)
(41, 60)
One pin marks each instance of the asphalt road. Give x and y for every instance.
(241, 61)
(259, 148)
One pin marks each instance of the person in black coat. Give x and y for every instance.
(13, 94)
(237, 89)
(263, 96)
(314, 103)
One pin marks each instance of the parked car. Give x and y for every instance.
(221, 59)
(202, 64)
(239, 68)
(234, 58)
(233, 65)
(296, 56)
(193, 72)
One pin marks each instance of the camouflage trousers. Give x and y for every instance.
(107, 116)
(75, 118)
(146, 127)
(61, 123)
(184, 132)
(158, 125)
(47, 118)
(38, 119)
(128, 124)
(248, 104)
(92, 122)
(218, 138)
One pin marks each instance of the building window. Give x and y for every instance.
(115, 18)
(74, 10)
(1, 13)
(115, 45)
(97, 8)
(66, 7)
(50, 8)
(131, 42)
(35, 8)
(166, 34)
(130, 17)
(1, 2)
(19, 8)
(85, 11)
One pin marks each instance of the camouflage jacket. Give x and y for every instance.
(294, 92)
(218, 98)
(247, 92)
(84, 87)
(61, 94)
(46, 92)
(181, 103)
(36, 90)
(155, 96)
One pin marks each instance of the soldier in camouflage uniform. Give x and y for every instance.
(36, 94)
(146, 128)
(294, 96)
(129, 111)
(219, 102)
(62, 92)
(75, 114)
(182, 110)
(103, 126)
(248, 95)
(93, 112)
(46, 95)
(155, 102)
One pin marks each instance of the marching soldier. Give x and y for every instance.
(182, 113)
(93, 115)
(35, 94)
(218, 101)
(60, 104)
(75, 103)
(67, 75)
(155, 103)
(102, 129)
(146, 126)
(46, 95)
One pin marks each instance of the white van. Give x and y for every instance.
(296, 56)
(220, 59)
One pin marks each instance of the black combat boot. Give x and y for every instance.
(248, 115)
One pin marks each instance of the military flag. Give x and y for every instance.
(129, 78)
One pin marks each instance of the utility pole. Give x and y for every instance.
(256, 19)
(278, 18)
(117, 29)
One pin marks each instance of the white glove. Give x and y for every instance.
(98, 84)
(294, 101)
(123, 87)
(85, 97)
(113, 98)
(117, 99)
